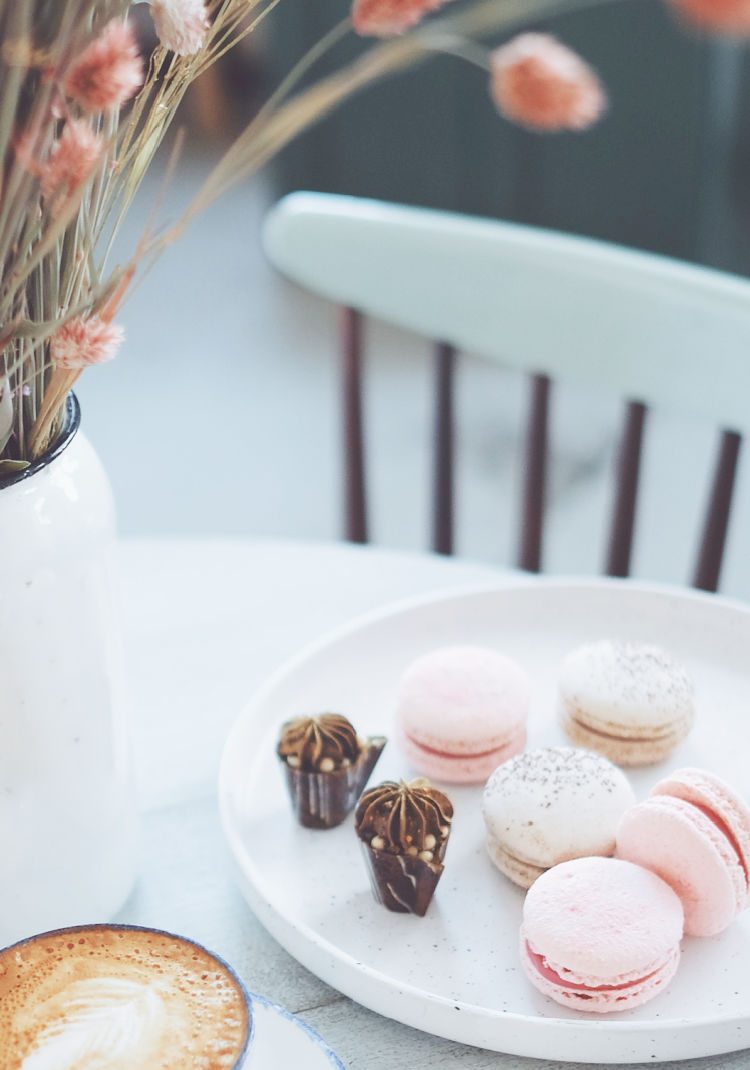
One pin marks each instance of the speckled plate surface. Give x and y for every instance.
(280, 1039)
(455, 972)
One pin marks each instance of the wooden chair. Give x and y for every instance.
(658, 332)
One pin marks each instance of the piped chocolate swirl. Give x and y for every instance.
(404, 830)
(405, 818)
(326, 764)
(323, 743)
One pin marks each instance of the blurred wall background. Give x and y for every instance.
(230, 374)
(657, 173)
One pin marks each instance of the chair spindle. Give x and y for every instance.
(626, 491)
(535, 481)
(442, 532)
(708, 567)
(354, 467)
(711, 553)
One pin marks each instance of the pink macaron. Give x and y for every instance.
(600, 934)
(694, 832)
(461, 711)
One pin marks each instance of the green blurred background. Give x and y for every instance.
(660, 172)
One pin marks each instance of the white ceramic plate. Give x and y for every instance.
(280, 1039)
(455, 972)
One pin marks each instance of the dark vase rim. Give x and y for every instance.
(71, 423)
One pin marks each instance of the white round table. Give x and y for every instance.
(205, 622)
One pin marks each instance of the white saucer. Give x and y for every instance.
(280, 1039)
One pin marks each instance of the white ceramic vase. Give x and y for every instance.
(67, 813)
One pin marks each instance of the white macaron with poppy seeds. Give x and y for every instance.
(549, 805)
(632, 702)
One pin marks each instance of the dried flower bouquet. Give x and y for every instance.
(82, 115)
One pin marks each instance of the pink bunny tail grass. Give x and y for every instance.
(180, 24)
(385, 18)
(81, 342)
(71, 162)
(731, 17)
(108, 71)
(540, 83)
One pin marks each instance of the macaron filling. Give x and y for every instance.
(658, 733)
(728, 834)
(454, 754)
(541, 965)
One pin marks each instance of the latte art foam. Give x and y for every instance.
(105, 1018)
(104, 998)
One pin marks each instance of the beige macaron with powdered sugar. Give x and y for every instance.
(549, 805)
(632, 702)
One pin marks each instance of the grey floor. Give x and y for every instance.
(219, 417)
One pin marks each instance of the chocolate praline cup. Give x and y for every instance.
(324, 800)
(402, 883)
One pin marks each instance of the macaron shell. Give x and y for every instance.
(603, 1000)
(473, 696)
(636, 684)
(459, 767)
(632, 702)
(721, 804)
(603, 920)
(678, 842)
(518, 870)
(461, 711)
(552, 804)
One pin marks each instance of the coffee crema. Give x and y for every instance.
(107, 997)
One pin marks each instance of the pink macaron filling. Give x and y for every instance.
(728, 834)
(545, 970)
(460, 766)
(439, 753)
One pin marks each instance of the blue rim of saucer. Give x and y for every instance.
(302, 1024)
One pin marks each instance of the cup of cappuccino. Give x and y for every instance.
(121, 997)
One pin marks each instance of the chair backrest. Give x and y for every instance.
(656, 331)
